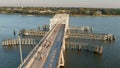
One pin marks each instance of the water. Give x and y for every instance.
(9, 57)
(111, 52)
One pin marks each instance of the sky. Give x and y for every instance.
(63, 3)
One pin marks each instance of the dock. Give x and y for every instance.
(96, 36)
(84, 46)
(40, 33)
(82, 28)
(24, 41)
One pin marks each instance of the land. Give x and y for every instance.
(53, 10)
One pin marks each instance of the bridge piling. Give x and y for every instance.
(11, 42)
(96, 36)
(94, 49)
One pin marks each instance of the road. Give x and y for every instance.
(48, 55)
(53, 56)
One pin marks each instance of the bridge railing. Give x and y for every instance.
(61, 49)
(30, 55)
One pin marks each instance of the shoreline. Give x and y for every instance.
(93, 15)
(74, 15)
(51, 11)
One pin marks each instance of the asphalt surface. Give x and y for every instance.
(53, 56)
(48, 56)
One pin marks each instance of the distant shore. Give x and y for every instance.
(51, 11)
(54, 14)
(93, 15)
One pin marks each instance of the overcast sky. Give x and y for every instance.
(63, 3)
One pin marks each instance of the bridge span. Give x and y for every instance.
(48, 53)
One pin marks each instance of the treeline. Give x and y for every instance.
(54, 10)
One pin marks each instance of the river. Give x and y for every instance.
(9, 56)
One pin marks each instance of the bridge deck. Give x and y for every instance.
(54, 53)
(48, 55)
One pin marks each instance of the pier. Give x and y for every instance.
(24, 41)
(82, 28)
(84, 46)
(40, 33)
(105, 37)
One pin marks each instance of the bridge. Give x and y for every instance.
(48, 53)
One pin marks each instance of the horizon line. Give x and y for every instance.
(62, 7)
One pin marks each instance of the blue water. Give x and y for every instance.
(111, 52)
(9, 56)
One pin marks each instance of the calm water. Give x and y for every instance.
(9, 57)
(111, 53)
